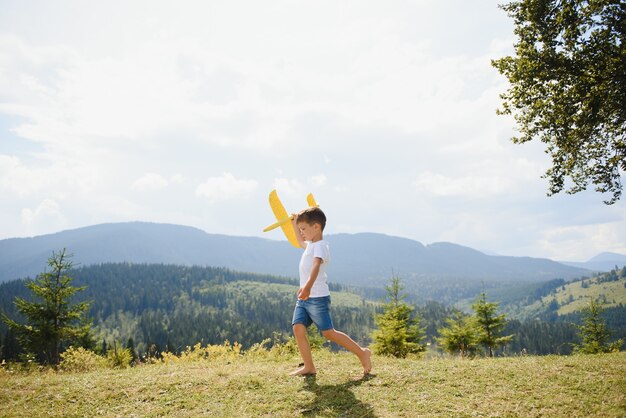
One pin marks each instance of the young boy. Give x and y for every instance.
(313, 305)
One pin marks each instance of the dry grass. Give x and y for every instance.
(523, 386)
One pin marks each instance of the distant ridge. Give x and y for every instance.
(142, 242)
(602, 262)
(365, 259)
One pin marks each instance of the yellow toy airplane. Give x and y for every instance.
(284, 220)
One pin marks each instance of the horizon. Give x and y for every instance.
(191, 113)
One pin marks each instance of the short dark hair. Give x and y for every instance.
(312, 216)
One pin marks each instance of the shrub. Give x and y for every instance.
(288, 348)
(28, 363)
(119, 358)
(280, 346)
(259, 349)
(195, 353)
(80, 360)
(225, 351)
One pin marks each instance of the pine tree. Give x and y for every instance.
(594, 332)
(460, 336)
(490, 324)
(130, 345)
(52, 321)
(104, 348)
(398, 333)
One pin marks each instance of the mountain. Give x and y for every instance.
(601, 262)
(142, 242)
(364, 259)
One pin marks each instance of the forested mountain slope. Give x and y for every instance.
(174, 306)
(364, 259)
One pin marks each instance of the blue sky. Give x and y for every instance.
(191, 112)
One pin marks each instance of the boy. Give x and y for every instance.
(313, 305)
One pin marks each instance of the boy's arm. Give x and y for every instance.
(304, 292)
(294, 222)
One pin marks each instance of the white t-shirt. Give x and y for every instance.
(319, 249)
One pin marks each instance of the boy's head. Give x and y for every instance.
(313, 216)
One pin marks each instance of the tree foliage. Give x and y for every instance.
(568, 89)
(594, 333)
(168, 307)
(11, 348)
(398, 332)
(489, 324)
(53, 320)
(460, 335)
(538, 337)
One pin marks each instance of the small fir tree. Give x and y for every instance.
(489, 324)
(130, 346)
(119, 357)
(53, 321)
(104, 347)
(460, 336)
(398, 332)
(593, 332)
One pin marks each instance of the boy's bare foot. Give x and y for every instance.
(366, 361)
(303, 371)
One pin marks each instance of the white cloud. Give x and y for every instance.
(150, 182)
(9, 172)
(178, 179)
(382, 98)
(563, 243)
(472, 186)
(119, 98)
(47, 216)
(226, 187)
(319, 180)
(247, 93)
(289, 187)
(56, 177)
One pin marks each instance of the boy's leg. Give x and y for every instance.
(299, 331)
(364, 354)
(319, 311)
(300, 321)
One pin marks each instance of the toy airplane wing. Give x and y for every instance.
(284, 219)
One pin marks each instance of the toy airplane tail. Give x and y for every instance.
(284, 219)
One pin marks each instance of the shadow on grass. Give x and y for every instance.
(336, 400)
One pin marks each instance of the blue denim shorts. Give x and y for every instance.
(313, 311)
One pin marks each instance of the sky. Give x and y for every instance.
(191, 112)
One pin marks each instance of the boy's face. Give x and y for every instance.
(310, 232)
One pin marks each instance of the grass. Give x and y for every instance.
(575, 297)
(575, 386)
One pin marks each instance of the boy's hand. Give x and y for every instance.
(303, 293)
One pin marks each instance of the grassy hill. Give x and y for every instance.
(572, 297)
(574, 386)
(558, 298)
